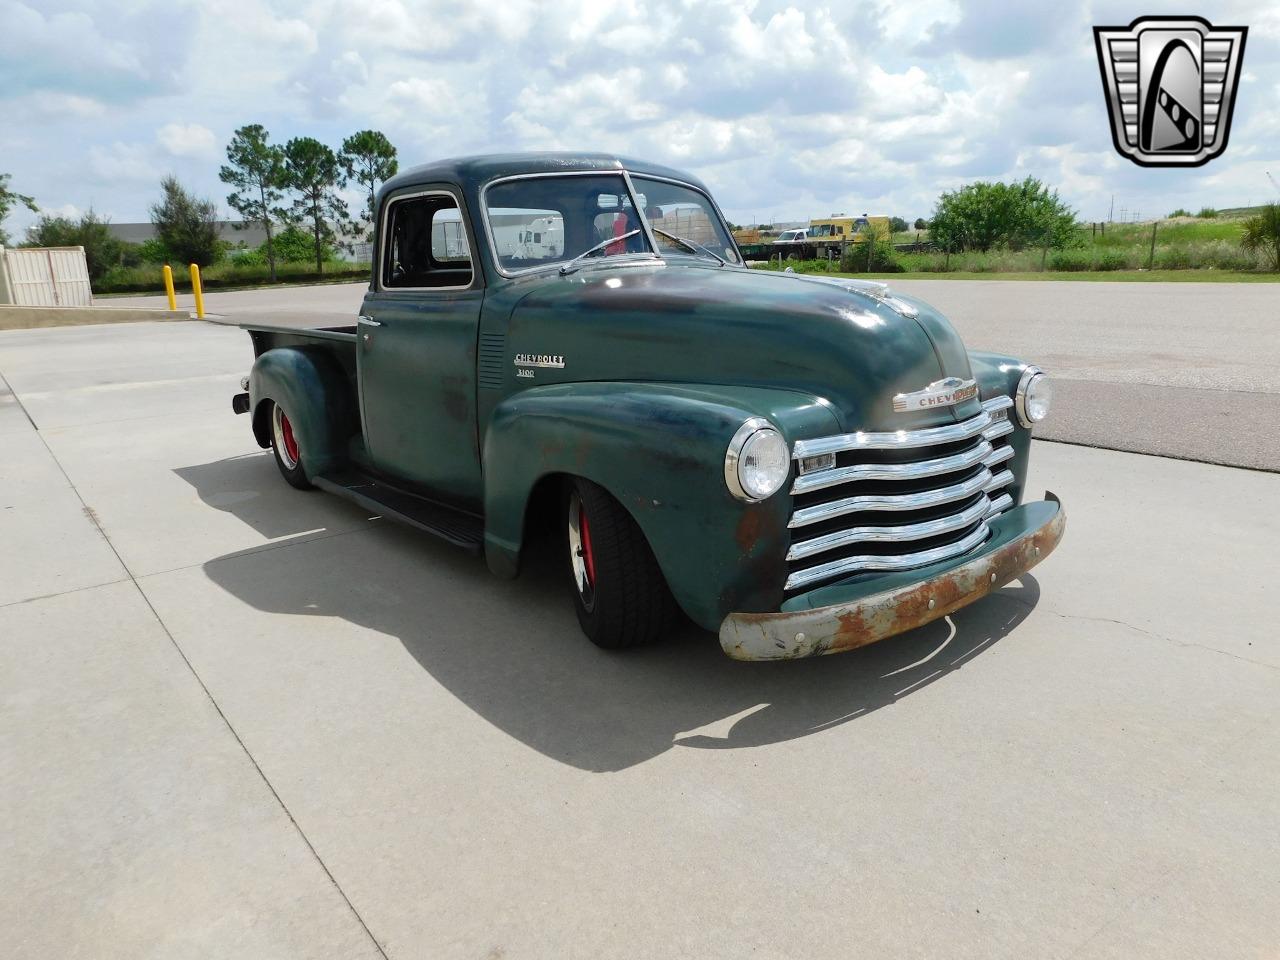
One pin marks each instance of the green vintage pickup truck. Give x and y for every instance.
(804, 464)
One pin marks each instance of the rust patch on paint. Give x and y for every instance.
(748, 530)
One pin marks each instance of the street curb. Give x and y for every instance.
(31, 318)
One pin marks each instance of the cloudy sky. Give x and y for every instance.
(787, 111)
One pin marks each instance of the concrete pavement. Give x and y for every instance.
(1176, 369)
(238, 720)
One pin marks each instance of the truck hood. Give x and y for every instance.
(853, 344)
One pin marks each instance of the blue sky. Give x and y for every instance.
(787, 111)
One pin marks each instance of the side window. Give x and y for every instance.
(425, 244)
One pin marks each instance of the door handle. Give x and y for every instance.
(367, 337)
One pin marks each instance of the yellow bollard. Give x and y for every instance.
(168, 287)
(195, 288)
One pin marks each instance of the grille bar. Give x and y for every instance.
(808, 482)
(894, 501)
(891, 534)
(912, 497)
(902, 561)
(999, 505)
(998, 429)
(998, 480)
(896, 440)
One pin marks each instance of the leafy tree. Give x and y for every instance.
(897, 224)
(369, 159)
(313, 171)
(982, 215)
(257, 172)
(1207, 213)
(102, 251)
(921, 223)
(1180, 212)
(186, 225)
(8, 200)
(1262, 234)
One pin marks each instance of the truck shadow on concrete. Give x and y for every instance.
(512, 650)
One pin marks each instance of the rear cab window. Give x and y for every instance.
(424, 244)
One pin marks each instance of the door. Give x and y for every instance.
(417, 340)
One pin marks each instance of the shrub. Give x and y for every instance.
(982, 216)
(1180, 213)
(1207, 213)
(872, 254)
(296, 246)
(1071, 260)
(1262, 234)
(102, 251)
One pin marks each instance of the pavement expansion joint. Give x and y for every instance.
(93, 517)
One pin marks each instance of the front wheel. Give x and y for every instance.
(620, 594)
(285, 446)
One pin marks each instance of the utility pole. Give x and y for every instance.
(1111, 214)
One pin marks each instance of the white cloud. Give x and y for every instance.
(187, 139)
(123, 162)
(785, 108)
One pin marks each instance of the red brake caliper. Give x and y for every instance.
(588, 557)
(290, 444)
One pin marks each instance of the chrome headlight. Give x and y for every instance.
(1034, 396)
(757, 463)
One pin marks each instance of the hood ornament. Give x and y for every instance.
(871, 289)
(941, 393)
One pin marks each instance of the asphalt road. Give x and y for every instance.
(1183, 370)
(242, 721)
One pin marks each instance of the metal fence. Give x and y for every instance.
(45, 277)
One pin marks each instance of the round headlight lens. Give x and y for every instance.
(758, 461)
(1039, 398)
(1035, 395)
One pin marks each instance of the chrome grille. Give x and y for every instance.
(901, 499)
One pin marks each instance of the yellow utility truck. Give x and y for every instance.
(833, 232)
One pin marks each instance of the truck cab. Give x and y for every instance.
(803, 465)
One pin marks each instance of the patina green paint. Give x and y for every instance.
(659, 449)
(662, 362)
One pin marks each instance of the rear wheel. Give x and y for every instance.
(619, 592)
(285, 446)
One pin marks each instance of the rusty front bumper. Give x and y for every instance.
(1021, 538)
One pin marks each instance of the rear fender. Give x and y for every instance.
(659, 449)
(315, 393)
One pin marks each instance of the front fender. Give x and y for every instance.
(315, 393)
(998, 374)
(659, 450)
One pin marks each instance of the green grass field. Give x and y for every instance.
(1186, 248)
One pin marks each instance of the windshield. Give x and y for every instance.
(543, 220)
(683, 212)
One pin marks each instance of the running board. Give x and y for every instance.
(461, 529)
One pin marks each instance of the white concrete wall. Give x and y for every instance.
(45, 277)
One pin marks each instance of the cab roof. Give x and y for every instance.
(475, 171)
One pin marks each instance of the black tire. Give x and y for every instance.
(626, 602)
(285, 448)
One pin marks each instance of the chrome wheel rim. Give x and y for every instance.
(286, 443)
(582, 553)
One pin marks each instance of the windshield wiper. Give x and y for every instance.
(691, 246)
(572, 264)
